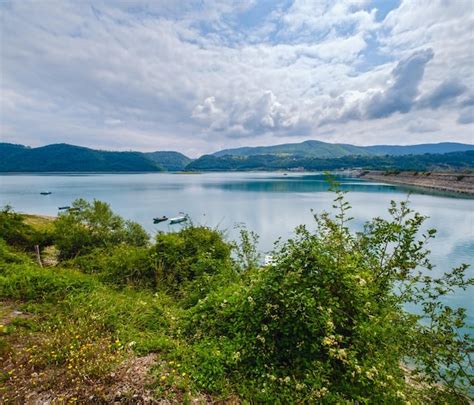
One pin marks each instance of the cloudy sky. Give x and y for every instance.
(202, 75)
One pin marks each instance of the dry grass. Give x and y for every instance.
(39, 222)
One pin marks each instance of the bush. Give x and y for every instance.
(191, 255)
(17, 233)
(93, 225)
(8, 255)
(29, 282)
(120, 265)
(327, 321)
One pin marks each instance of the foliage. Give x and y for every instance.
(188, 259)
(248, 256)
(24, 281)
(325, 323)
(121, 265)
(16, 232)
(171, 161)
(70, 158)
(328, 320)
(453, 160)
(93, 225)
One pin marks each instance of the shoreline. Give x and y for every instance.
(461, 183)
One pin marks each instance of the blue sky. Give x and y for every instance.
(198, 75)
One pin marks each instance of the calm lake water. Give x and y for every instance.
(270, 204)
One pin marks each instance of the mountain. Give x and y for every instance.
(444, 147)
(70, 158)
(318, 149)
(306, 148)
(171, 161)
(312, 155)
(434, 161)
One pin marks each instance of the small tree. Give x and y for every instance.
(190, 259)
(19, 234)
(89, 226)
(247, 252)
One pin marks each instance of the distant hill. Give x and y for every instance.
(312, 155)
(438, 161)
(318, 149)
(307, 148)
(444, 147)
(70, 158)
(171, 161)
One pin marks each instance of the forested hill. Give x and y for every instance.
(70, 158)
(318, 149)
(447, 161)
(171, 161)
(310, 155)
(307, 148)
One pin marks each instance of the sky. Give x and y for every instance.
(198, 76)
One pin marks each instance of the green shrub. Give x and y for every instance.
(327, 321)
(30, 282)
(120, 265)
(17, 233)
(191, 255)
(93, 225)
(8, 255)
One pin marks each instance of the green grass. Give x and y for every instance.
(320, 325)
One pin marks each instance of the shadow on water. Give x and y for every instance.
(300, 184)
(318, 183)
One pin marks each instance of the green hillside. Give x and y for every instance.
(70, 158)
(318, 149)
(447, 161)
(171, 161)
(307, 148)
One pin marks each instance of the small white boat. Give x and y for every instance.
(177, 220)
(269, 260)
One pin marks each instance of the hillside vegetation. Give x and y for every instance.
(318, 149)
(70, 158)
(194, 317)
(447, 161)
(171, 161)
(311, 155)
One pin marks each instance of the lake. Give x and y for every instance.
(270, 204)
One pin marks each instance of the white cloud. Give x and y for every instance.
(198, 75)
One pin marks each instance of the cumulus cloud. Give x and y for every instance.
(250, 116)
(445, 92)
(400, 96)
(152, 74)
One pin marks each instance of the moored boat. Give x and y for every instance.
(45, 193)
(160, 219)
(177, 220)
(66, 207)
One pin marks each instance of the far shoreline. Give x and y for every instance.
(453, 182)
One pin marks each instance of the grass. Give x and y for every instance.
(193, 335)
(77, 331)
(39, 222)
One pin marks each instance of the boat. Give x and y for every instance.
(66, 207)
(177, 220)
(160, 219)
(45, 193)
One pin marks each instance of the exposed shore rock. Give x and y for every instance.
(453, 182)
